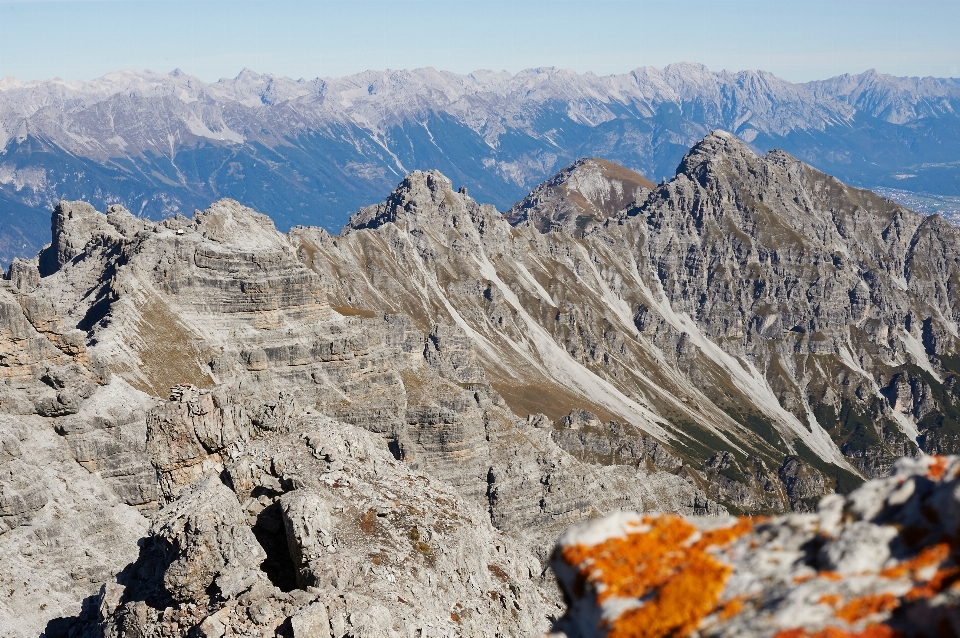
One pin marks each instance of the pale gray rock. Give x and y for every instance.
(469, 390)
(869, 563)
(311, 622)
(207, 542)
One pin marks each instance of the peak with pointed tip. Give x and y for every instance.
(420, 197)
(716, 145)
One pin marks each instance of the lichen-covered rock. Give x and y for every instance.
(880, 562)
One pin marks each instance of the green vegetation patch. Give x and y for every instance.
(944, 422)
(950, 363)
(759, 424)
(853, 430)
(697, 442)
(844, 481)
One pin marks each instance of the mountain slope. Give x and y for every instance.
(193, 370)
(206, 423)
(752, 302)
(312, 152)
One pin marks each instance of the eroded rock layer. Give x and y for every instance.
(785, 334)
(255, 461)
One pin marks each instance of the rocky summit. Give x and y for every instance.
(212, 428)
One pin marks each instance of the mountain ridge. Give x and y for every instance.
(313, 151)
(300, 432)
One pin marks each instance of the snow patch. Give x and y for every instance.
(919, 354)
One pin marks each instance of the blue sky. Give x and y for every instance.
(797, 40)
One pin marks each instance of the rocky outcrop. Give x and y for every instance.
(751, 306)
(881, 561)
(322, 534)
(580, 197)
(185, 365)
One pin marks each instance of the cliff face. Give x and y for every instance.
(751, 306)
(260, 461)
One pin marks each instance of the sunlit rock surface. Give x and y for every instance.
(213, 428)
(880, 562)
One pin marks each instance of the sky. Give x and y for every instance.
(798, 40)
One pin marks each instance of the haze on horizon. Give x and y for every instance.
(211, 39)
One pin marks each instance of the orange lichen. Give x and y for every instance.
(668, 565)
(942, 579)
(933, 555)
(866, 606)
(731, 608)
(828, 575)
(830, 599)
(873, 631)
(499, 572)
(799, 580)
(937, 468)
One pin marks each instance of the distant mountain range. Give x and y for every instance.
(314, 151)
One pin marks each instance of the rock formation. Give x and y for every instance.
(751, 306)
(880, 562)
(586, 193)
(209, 427)
(267, 463)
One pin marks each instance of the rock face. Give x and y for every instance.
(273, 464)
(881, 561)
(586, 193)
(751, 300)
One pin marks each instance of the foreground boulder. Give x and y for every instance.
(883, 561)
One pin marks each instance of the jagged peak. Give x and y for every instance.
(421, 194)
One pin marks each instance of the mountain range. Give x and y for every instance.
(207, 423)
(310, 152)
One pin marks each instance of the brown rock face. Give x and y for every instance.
(581, 196)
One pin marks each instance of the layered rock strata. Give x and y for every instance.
(266, 433)
(197, 392)
(751, 306)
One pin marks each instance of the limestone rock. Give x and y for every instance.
(580, 197)
(880, 561)
(424, 403)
